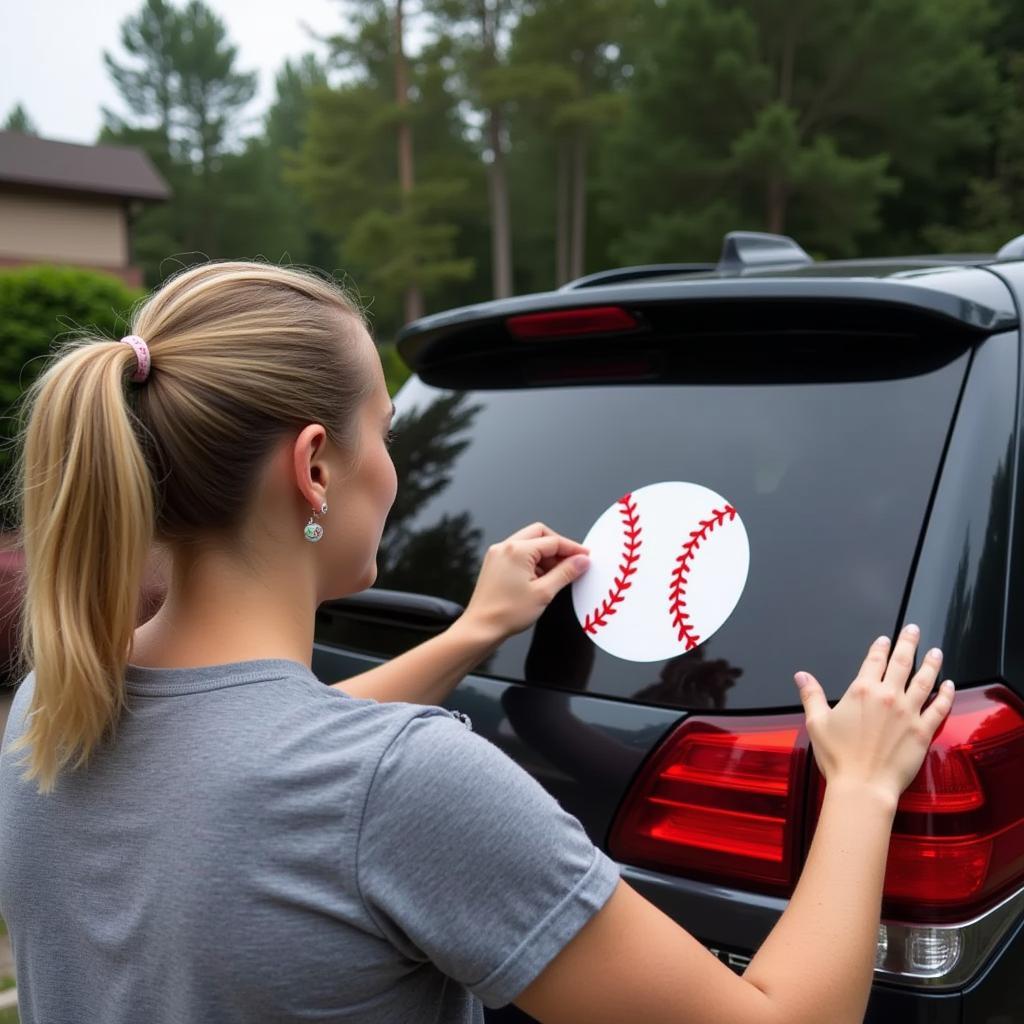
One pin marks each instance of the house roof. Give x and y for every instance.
(123, 171)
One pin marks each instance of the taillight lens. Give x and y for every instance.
(958, 837)
(721, 798)
(563, 322)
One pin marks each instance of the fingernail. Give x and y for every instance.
(801, 679)
(948, 684)
(580, 563)
(912, 630)
(935, 653)
(882, 640)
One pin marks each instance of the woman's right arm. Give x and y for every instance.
(632, 962)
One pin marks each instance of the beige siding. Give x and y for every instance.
(57, 228)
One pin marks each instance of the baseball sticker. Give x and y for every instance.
(668, 563)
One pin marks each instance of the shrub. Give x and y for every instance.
(396, 373)
(37, 305)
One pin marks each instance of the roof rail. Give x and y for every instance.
(744, 249)
(628, 273)
(1013, 250)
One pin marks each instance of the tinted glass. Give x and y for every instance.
(832, 479)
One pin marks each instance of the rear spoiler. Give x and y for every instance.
(969, 301)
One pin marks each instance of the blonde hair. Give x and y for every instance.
(243, 354)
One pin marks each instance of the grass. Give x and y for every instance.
(9, 1016)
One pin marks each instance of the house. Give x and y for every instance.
(61, 202)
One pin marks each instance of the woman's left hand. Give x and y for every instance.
(519, 578)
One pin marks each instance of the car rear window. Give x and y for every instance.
(831, 468)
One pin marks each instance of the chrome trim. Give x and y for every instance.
(975, 939)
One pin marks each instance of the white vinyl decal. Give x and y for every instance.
(668, 563)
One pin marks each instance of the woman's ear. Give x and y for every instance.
(310, 464)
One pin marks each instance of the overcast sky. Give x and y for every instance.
(51, 53)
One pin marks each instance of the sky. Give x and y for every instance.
(51, 53)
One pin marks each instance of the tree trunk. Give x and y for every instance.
(413, 297)
(776, 204)
(562, 184)
(778, 187)
(501, 235)
(497, 180)
(579, 204)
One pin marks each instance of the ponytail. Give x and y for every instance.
(87, 527)
(244, 354)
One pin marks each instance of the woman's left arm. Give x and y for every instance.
(518, 579)
(429, 672)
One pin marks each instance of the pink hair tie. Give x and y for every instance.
(141, 355)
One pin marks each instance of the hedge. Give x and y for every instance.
(38, 304)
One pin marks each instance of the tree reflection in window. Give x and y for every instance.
(441, 558)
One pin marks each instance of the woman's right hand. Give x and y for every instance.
(877, 735)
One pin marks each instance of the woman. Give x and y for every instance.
(194, 828)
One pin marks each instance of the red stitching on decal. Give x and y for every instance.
(677, 588)
(630, 554)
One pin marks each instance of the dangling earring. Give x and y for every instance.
(314, 531)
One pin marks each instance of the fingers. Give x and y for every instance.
(533, 530)
(901, 662)
(811, 694)
(896, 672)
(540, 530)
(935, 714)
(537, 529)
(924, 679)
(562, 574)
(550, 545)
(874, 664)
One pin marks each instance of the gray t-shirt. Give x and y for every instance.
(255, 846)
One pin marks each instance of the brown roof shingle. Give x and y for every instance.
(102, 170)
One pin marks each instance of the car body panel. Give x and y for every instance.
(960, 579)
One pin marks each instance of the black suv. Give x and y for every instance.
(863, 417)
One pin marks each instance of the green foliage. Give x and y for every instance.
(396, 373)
(186, 80)
(187, 99)
(631, 131)
(564, 82)
(19, 121)
(347, 170)
(150, 90)
(820, 120)
(38, 304)
(993, 210)
(286, 119)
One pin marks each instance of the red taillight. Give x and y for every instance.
(722, 799)
(958, 838)
(557, 323)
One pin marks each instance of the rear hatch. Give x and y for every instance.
(824, 411)
(822, 415)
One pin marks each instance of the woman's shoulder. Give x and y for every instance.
(333, 699)
(326, 716)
